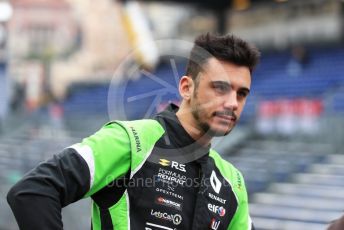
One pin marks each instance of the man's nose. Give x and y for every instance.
(231, 101)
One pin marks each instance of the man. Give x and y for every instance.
(157, 173)
(337, 224)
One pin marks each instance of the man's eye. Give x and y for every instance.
(242, 94)
(221, 88)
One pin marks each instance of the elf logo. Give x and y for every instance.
(221, 211)
(173, 164)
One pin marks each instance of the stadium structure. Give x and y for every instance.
(77, 66)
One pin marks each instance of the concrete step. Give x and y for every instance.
(262, 223)
(335, 159)
(292, 146)
(308, 190)
(335, 168)
(314, 203)
(295, 214)
(319, 179)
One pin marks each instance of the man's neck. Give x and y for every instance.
(189, 124)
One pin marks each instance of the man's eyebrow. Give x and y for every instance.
(225, 83)
(220, 83)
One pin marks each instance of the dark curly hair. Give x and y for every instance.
(227, 48)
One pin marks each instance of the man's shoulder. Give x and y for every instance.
(229, 171)
(134, 123)
(220, 162)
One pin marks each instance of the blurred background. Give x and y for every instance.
(69, 66)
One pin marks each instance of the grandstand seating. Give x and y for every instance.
(319, 78)
(22, 149)
(323, 72)
(306, 196)
(137, 98)
(292, 185)
(338, 102)
(3, 89)
(86, 99)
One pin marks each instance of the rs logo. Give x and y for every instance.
(173, 164)
(164, 162)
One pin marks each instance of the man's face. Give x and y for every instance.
(219, 96)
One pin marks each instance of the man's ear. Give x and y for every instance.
(186, 87)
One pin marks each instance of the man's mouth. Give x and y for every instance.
(229, 118)
(226, 115)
